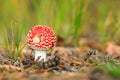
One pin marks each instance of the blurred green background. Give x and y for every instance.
(70, 19)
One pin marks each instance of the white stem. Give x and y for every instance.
(41, 54)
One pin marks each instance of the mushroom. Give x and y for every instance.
(41, 39)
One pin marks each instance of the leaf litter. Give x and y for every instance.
(63, 63)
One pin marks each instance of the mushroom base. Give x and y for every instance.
(41, 54)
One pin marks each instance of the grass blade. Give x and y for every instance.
(78, 19)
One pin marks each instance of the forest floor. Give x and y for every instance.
(64, 63)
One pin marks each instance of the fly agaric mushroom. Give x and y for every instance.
(41, 39)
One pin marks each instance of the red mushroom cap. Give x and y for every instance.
(41, 37)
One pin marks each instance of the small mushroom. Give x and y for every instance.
(41, 39)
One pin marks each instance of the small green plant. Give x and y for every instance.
(12, 40)
(112, 68)
(78, 20)
(108, 22)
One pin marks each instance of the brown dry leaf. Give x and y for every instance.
(61, 64)
(91, 43)
(69, 59)
(84, 69)
(42, 72)
(76, 62)
(11, 68)
(112, 48)
(60, 41)
(59, 50)
(64, 56)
